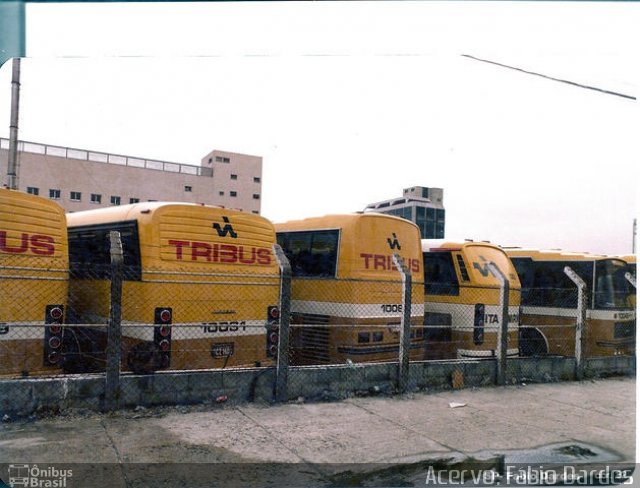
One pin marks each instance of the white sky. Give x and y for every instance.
(350, 103)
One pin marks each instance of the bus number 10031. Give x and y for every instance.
(391, 308)
(215, 327)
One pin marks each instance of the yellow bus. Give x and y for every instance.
(346, 291)
(34, 280)
(549, 303)
(462, 299)
(204, 277)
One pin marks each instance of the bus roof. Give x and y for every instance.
(24, 211)
(335, 221)
(629, 258)
(30, 203)
(454, 244)
(118, 213)
(138, 211)
(554, 255)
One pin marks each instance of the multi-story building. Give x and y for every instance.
(421, 205)
(82, 179)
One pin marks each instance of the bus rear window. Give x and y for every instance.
(90, 254)
(439, 274)
(311, 253)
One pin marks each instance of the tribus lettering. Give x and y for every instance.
(220, 253)
(39, 244)
(385, 263)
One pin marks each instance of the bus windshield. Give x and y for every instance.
(611, 287)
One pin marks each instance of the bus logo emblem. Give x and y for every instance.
(484, 268)
(227, 229)
(394, 244)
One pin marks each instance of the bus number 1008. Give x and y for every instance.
(215, 327)
(391, 308)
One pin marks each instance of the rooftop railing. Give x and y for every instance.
(100, 157)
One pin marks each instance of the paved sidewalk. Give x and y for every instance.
(520, 422)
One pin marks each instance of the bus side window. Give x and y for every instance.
(464, 274)
(439, 274)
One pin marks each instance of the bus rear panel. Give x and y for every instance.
(201, 284)
(462, 299)
(34, 277)
(346, 290)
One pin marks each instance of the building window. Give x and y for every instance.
(256, 179)
(115, 200)
(54, 194)
(134, 200)
(233, 193)
(221, 193)
(187, 188)
(234, 177)
(255, 212)
(220, 159)
(32, 190)
(95, 197)
(75, 196)
(256, 196)
(151, 200)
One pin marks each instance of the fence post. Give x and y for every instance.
(112, 379)
(503, 328)
(405, 325)
(282, 365)
(581, 317)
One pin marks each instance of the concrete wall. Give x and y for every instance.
(27, 396)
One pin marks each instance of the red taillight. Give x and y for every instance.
(55, 329)
(55, 313)
(164, 330)
(273, 339)
(54, 342)
(165, 315)
(53, 357)
(164, 345)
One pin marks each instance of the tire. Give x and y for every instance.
(532, 342)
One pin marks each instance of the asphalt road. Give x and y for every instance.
(392, 440)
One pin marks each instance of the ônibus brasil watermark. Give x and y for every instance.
(33, 476)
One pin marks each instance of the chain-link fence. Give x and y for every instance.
(315, 335)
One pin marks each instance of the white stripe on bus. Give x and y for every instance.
(353, 310)
(462, 315)
(620, 315)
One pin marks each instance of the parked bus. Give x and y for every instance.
(550, 300)
(34, 278)
(346, 291)
(462, 299)
(204, 277)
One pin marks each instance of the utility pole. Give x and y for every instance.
(12, 166)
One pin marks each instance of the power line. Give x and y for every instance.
(568, 82)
